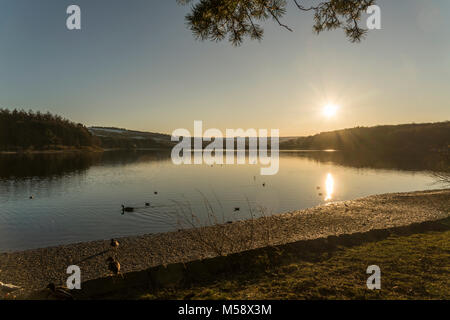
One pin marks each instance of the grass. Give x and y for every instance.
(412, 267)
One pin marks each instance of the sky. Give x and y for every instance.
(136, 65)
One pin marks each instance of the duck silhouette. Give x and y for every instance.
(127, 209)
(114, 243)
(113, 266)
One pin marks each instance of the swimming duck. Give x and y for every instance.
(59, 292)
(127, 209)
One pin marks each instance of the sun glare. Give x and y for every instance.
(329, 186)
(330, 110)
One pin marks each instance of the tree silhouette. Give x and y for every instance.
(236, 20)
(29, 130)
(403, 139)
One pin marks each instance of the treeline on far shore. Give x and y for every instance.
(385, 139)
(35, 131)
(27, 130)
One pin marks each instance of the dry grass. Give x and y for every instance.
(412, 267)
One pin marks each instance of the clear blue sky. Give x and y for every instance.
(134, 64)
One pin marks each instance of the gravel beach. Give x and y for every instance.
(34, 269)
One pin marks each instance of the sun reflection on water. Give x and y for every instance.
(329, 187)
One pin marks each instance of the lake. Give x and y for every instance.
(78, 197)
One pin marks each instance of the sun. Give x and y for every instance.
(330, 110)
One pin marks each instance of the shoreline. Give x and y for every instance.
(55, 151)
(99, 149)
(81, 150)
(34, 269)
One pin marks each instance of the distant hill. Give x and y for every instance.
(118, 138)
(21, 130)
(388, 139)
(385, 139)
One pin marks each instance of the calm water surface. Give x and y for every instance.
(78, 197)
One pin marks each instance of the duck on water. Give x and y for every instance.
(127, 209)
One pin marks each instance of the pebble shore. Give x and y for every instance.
(34, 269)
